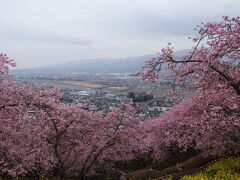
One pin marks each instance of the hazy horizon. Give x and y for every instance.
(40, 33)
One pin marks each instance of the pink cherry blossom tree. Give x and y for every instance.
(39, 136)
(82, 142)
(20, 132)
(210, 120)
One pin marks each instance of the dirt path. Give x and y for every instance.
(192, 165)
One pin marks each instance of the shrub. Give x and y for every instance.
(228, 168)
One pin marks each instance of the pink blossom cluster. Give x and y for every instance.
(39, 136)
(210, 120)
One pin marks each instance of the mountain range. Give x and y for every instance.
(103, 65)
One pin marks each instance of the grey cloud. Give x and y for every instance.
(154, 24)
(49, 37)
(171, 17)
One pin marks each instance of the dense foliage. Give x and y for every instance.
(40, 136)
(210, 120)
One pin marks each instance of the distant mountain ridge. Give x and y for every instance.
(103, 65)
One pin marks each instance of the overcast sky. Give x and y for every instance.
(41, 32)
